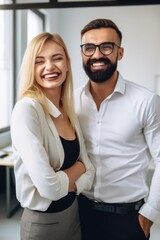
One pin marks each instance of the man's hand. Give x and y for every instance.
(145, 224)
(74, 172)
(73, 188)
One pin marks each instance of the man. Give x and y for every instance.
(121, 126)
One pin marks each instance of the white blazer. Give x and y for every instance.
(39, 155)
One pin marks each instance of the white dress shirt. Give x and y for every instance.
(39, 155)
(121, 138)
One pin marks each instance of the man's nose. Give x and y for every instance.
(97, 53)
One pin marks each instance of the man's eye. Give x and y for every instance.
(106, 46)
(89, 48)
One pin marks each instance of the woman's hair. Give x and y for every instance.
(101, 23)
(28, 84)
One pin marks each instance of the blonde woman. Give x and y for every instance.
(51, 163)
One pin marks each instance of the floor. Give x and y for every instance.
(9, 228)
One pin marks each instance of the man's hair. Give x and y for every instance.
(101, 23)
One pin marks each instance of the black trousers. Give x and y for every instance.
(99, 225)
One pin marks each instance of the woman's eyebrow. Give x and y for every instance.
(57, 54)
(54, 55)
(39, 57)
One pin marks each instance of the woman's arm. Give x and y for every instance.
(73, 173)
(27, 132)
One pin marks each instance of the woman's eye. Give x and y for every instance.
(57, 59)
(39, 62)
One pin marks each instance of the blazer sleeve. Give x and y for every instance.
(27, 138)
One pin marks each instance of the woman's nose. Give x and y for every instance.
(50, 65)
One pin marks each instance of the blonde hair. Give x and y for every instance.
(29, 86)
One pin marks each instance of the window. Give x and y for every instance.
(35, 24)
(5, 1)
(6, 68)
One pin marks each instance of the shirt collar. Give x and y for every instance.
(120, 86)
(53, 110)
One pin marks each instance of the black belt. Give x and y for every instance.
(118, 208)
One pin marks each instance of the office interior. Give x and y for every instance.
(21, 20)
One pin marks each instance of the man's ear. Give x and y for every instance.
(81, 53)
(120, 53)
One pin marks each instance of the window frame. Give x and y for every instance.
(72, 4)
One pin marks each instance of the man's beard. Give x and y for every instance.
(100, 75)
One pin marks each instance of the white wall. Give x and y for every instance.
(140, 26)
(141, 40)
(52, 19)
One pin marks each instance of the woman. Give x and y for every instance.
(51, 164)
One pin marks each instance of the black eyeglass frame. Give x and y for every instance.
(99, 47)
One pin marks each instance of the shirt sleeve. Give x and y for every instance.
(151, 209)
(85, 181)
(28, 140)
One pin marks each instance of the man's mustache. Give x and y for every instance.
(104, 60)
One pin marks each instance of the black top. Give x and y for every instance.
(71, 152)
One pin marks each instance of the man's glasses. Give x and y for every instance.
(106, 48)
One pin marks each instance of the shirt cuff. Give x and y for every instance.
(83, 183)
(149, 212)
